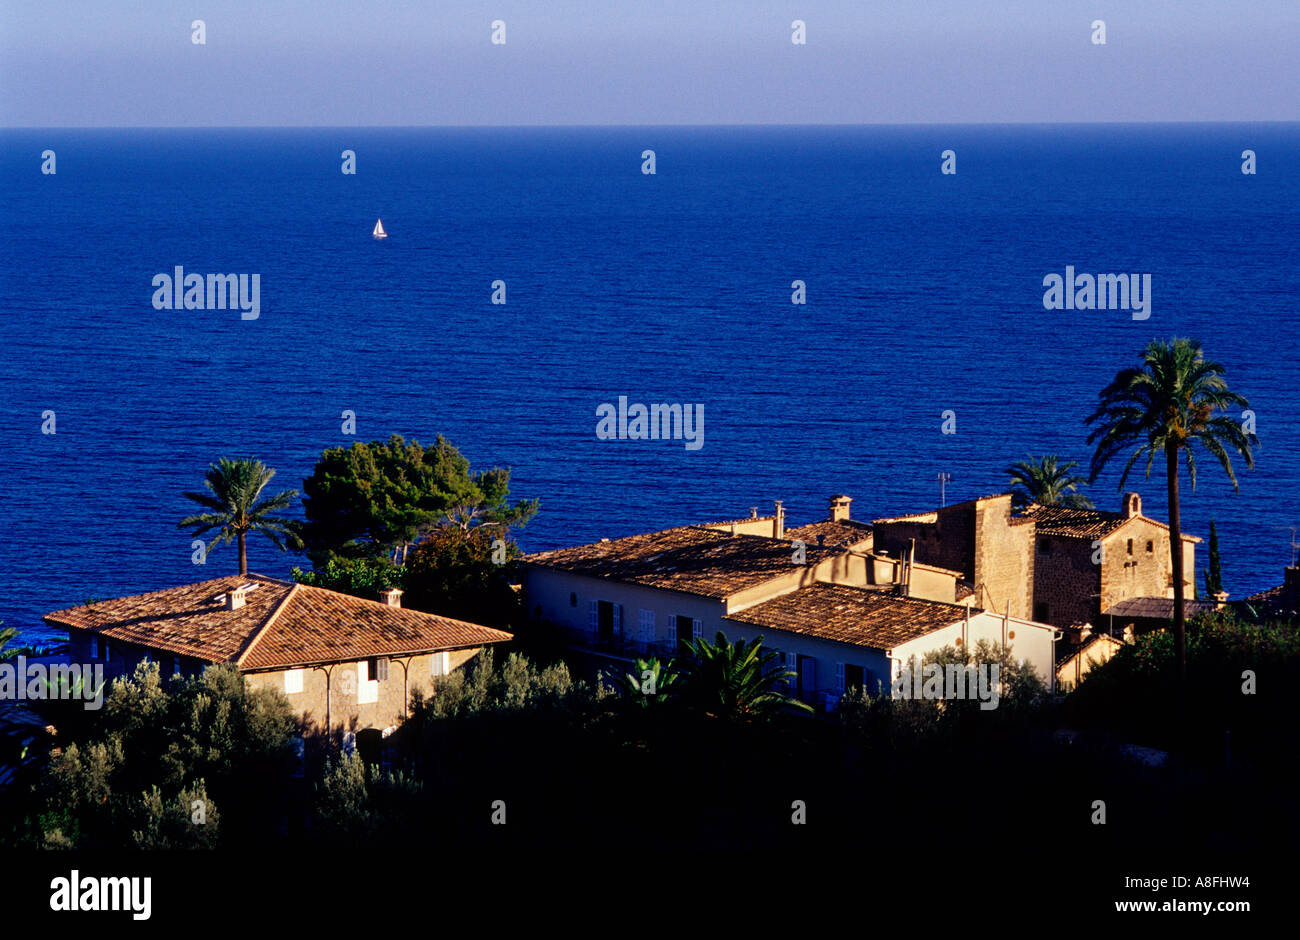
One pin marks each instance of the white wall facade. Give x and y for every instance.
(565, 599)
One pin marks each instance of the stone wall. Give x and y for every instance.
(1004, 558)
(977, 539)
(1064, 580)
(343, 682)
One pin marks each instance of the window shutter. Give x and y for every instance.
(593, 623)
(697, 628)
(839, 678)
(809, 676)
(618, 618)
(381, 670)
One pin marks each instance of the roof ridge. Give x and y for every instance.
(261, 631)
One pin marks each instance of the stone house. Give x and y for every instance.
(839, 613)
(1078, 658)
(346, 664)
(1088, 561)
(1050, 564)
(980, 538)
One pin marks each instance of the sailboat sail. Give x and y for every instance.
(379, 229)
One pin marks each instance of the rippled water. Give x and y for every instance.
(924, 294)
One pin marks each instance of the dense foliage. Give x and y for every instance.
(176, 763)
(1241, 682)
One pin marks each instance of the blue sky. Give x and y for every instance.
(324, 62)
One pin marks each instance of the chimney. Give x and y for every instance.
(1132, 505)
(391, 596)
(1291, 583)
(778, 524)
(753, 512)
(840, 507)
(235, 597)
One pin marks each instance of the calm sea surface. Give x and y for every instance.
(924, 294)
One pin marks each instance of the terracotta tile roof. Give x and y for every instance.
(1159, 608)
(187, 620)
(1073, 523)
(855, 615)
(842, 532)
(1281, 601)
(1076, 649)
(1083, 523)
(690, 559)
(281, 624)
(319, 626)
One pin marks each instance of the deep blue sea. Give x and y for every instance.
(924, 294)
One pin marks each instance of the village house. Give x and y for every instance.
(346, 664)
(1281, 602)
(1076, 582)
(839, 614)
(1081, 650)
(1052, 564)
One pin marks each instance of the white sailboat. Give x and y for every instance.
(379, 229)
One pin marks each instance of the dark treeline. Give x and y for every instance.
(580, 763)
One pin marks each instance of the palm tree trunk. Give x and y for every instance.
(1176, 557)
(243, 553)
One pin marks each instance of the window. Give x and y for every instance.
(646, 626)
(292, 681)
(367, 688)
(1130, 546)
(855, 677)
(1150, 546)
(1040, 612)
(1045, 546)
(176, 666)
(377, 668)
(573, 599)
(441, 663)
(96, 647)
(807, 676)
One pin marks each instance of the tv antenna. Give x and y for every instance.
(946, 478)
(1295, 546)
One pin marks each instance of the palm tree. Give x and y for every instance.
(736, 680)
(7, 634)
(1164, 407)
(237, 508)
(652, 681)
(1048, 482)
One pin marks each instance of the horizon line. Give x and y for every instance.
(557, 126)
